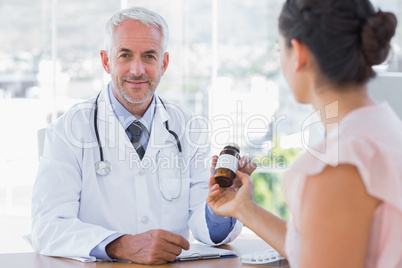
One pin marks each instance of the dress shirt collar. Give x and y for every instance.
(126, 118)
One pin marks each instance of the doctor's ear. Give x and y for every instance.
(165, 62)
(105, 61)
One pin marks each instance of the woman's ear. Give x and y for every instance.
(300, 55)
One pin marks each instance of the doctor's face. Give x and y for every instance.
(136, 62)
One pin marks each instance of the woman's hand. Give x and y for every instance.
(246, 165)
(231, 201)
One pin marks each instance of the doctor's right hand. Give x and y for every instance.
(151, 247)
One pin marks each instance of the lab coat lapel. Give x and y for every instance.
(159, 133)
(113, 135)
(111, 132)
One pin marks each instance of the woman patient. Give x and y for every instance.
(346, 203)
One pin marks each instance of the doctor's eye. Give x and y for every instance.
(124, 55)
(150, 56)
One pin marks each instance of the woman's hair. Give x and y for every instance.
(346, 37)
(141, 15)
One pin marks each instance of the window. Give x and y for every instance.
(223, 65)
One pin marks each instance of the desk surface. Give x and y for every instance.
(241, 245)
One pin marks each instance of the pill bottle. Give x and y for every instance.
(228, 163)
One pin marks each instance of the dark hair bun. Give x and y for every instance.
(376, 35)
(347, 37)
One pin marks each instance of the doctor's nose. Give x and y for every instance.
(137, 67)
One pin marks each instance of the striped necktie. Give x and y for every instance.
(136, 129)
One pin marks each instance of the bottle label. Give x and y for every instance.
(228, 161)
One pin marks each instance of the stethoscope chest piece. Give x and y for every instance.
(103, 167)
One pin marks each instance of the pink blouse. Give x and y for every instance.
(369, 138)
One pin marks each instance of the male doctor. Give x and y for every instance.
(141, 201)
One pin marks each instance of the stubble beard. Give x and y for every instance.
(124, 95)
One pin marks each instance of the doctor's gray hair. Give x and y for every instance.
(141, 15)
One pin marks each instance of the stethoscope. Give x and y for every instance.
(103, 167)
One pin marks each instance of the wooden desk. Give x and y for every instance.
(241, 245)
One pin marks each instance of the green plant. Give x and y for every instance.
(268, 186)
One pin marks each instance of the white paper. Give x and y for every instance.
(202, 252)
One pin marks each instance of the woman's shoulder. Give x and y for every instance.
(371, 141)
(375, 121)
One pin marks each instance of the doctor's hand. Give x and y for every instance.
(232, 201)
(151, 247)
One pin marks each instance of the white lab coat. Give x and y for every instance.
(74, 209)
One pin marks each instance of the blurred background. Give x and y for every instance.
(223, 66)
